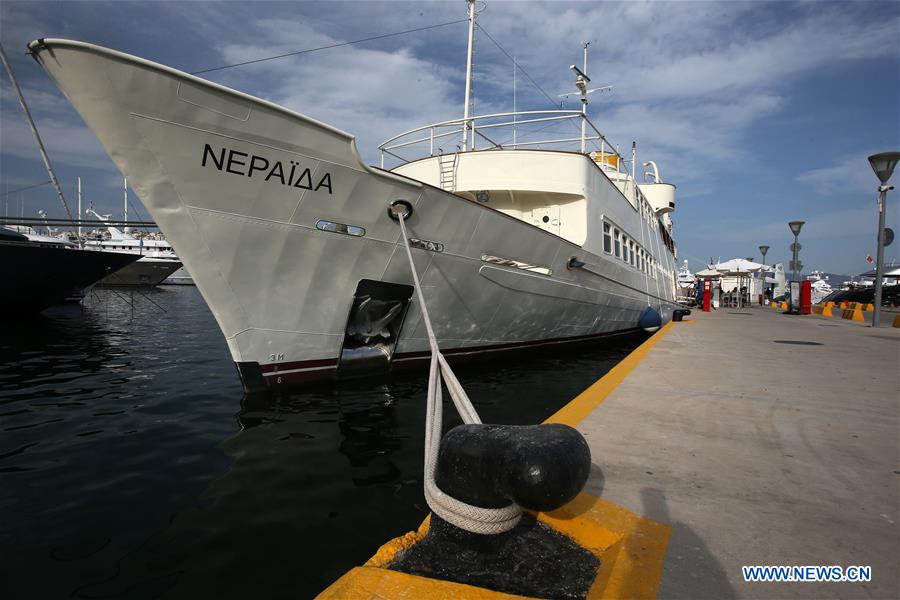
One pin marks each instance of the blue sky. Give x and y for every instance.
(760, 112)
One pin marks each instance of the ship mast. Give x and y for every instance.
(34, 130)
(584, 100)
(466, 124)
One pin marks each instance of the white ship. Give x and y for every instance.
(685, 278)
(179, 277)
(820, 286)
(157, 258)
(290, 239)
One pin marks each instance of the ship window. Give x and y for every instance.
(618, 244)
(607, 239)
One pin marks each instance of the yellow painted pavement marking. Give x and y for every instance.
(587, 401)
(631, 549)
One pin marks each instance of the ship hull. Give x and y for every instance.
(179, 277)
(36, 277)
(281, 225)
(145, 272)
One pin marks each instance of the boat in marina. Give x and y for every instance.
(179, 277)
(820, 287)
(40, 271)
(294, 243)
(157, 260)
(685, 278)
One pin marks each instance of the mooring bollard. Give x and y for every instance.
(539, 468)
(680, 313)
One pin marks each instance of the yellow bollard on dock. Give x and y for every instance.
(854, 314)
(896, 322)
(869, 307)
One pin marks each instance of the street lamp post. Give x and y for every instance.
(763, 250)
(883, 164)
(795, 226)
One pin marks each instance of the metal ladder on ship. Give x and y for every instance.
(447, 164)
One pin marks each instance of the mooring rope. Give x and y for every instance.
(465, 516)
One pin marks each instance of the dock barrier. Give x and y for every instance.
(826, 309)
(854, 314)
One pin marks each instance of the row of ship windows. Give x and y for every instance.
(616, 242)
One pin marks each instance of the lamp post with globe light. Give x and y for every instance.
(883, 164)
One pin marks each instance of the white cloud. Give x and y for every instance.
(692, 80)
(372, 94)
(853, 174)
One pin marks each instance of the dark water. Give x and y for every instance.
(132, 466)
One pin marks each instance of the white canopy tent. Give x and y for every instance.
(736, 271)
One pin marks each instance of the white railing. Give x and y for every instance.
(490, 129)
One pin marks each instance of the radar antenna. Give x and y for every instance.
(581, 81)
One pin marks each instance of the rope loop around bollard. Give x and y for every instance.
(475, 519)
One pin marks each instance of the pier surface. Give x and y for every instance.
(762, 439)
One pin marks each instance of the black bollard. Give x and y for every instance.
(680, 313)
(539, 467)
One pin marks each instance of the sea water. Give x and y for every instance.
(132, 465)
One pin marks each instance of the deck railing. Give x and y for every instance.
(488, 129)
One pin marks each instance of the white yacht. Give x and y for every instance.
(157, 258)
(819, 286)
(294, 244)
(179, 277)
(685, 278)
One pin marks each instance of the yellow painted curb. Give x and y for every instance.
(587, 401)
(631, 549)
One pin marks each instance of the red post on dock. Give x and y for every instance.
(805, 297)
(707, 294)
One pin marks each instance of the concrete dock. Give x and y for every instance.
(761, 439)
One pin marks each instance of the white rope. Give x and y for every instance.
(465, 516)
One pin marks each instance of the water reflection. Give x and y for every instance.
(125, 472)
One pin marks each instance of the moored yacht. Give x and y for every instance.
(40, 271)
(156, 259)
(294, 244)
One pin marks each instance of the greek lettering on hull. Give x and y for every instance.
(246, 165)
